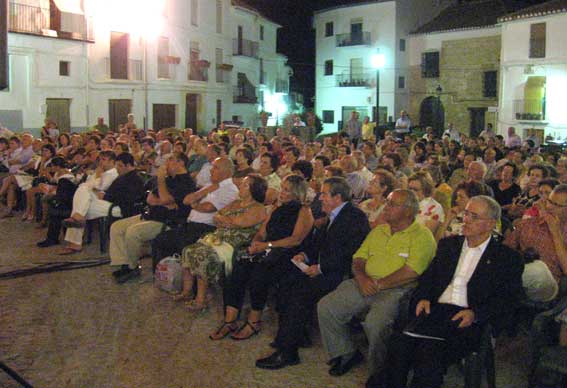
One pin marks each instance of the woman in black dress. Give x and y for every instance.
(270, 253)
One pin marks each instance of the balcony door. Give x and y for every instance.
(58, 109)
(477, 116)
(163, 116)
(119, 42)
(356, 32)
(191, 109)
(356, 69)
(118, 112)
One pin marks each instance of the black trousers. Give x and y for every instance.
(174, 240)
(428, 358)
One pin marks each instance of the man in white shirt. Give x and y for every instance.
(453, 133)
(203, 177)
(205, 203)
(513, 140)
(455, 298)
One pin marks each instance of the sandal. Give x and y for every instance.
(195, 306)
(252, 325)
(224, 330)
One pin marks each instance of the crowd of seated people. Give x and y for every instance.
(334, 228)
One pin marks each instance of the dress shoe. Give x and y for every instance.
(278, 360)
(46, 243)
(305, 343)
(121, 271)
(128, 275)
(73, 223)
(377, 380)
(343, 365)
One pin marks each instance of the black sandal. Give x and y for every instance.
(255, 330)
(231, 329)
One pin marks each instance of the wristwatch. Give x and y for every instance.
(270, 245)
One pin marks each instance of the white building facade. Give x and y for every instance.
(346, 39)
(74, 61)
(534, 71)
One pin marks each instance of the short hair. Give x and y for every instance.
(247, 153)
(411, 201)
(324, 160)
(472, 189)
(541, 167)
(4, 141)
(274, 160)
(298, 186)
(347, 148)
(58, 161)
(560, 189)
(305, 167)
(96, 139)
(15, 138)
(217, 149)
(123, 146)
(514, 168)
(335, 171)
(551, 182)
(182, 144)
(268, 146)
(425, 180)
(107, 154)
(294, 150)
(395, 158)
(494, 210)
(339, 185)
(258, 187)
(50, 148)
(126, 158)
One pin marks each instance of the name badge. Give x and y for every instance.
(406, 255)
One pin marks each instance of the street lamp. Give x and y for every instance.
(378, 61)
(438, 91)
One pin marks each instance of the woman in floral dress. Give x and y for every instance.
(236, 226)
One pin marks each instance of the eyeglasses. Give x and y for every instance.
(475, 217)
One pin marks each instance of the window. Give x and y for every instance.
(489, 83)
(219, 62)
(329, 67)
(262, 74)
(119, 43)
(328, 116)
(430, 65)
(537, 40)
(194, 12)
(163, 53)
(261, 32)
(64, 67)
(329, 29)
(219, 16)
(401, 82)
(402, 45)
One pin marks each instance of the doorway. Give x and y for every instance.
(476, 121)
(219, 112)
(118, 112)
(191, 109)
(58, 110)
(163, 116)
(432, 114)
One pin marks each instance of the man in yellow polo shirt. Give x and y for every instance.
(385, 267)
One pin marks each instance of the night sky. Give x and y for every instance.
(296, 39)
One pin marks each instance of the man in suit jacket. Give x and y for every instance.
(472, 280)
(326, 260)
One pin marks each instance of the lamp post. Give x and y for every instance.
(438, 91)
(378, 61)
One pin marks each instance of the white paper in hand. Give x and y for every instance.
(301, 265)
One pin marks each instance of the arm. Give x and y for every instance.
(271, 196)
(554, 226)
(252, 217)
(199, 195)
(165, 197)
(398, 278)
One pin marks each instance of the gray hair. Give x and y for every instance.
(339, 185)
(298, 186)
(493, 208)
(411, 201)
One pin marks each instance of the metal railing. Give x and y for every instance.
(245, 48)
(36, 20)
(354, 80)
(282, 86)
(531, 110)
(353, 39)
(244, 94)
(135, 70)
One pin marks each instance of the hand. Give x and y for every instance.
(162, 172)
(466, 317)
(213, 187)
(366, 285)
(312, 271)
(100, 194)
(257, 247)
(299, 258)
(423, 306)
(552, 223)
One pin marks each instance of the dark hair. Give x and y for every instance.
(335, 171)
(420, 159)
(58, 161)
(395, 158)
(107, 154)
(126, 158)
(181, 157)
(63, 135)
(323, 160)
(149, 140)
(472, 189)
(249, 155)
(339, 185)
(216, 148)
(50, 148)
(274, 160)
(4, 141)
(15, 138)
(96, 139)
(548, 182)
(347, 148)
(514, 168)
(294, 150)
(268, 146)
(387, 179)
(544, 170)
(223, 146)
(123, 146)
(258, 187)
(183, 145)
(305, 167)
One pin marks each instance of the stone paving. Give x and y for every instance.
(78, 329)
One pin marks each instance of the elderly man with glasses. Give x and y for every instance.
(543, 242)
(385, 267)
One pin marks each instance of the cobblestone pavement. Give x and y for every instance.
(78, 329)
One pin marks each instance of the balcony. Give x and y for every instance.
(529, 110)
(134, 70)
(246, 48)
(282, 86)
(244, 94)
(353, 39)
(34, 20)
(354, 80)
